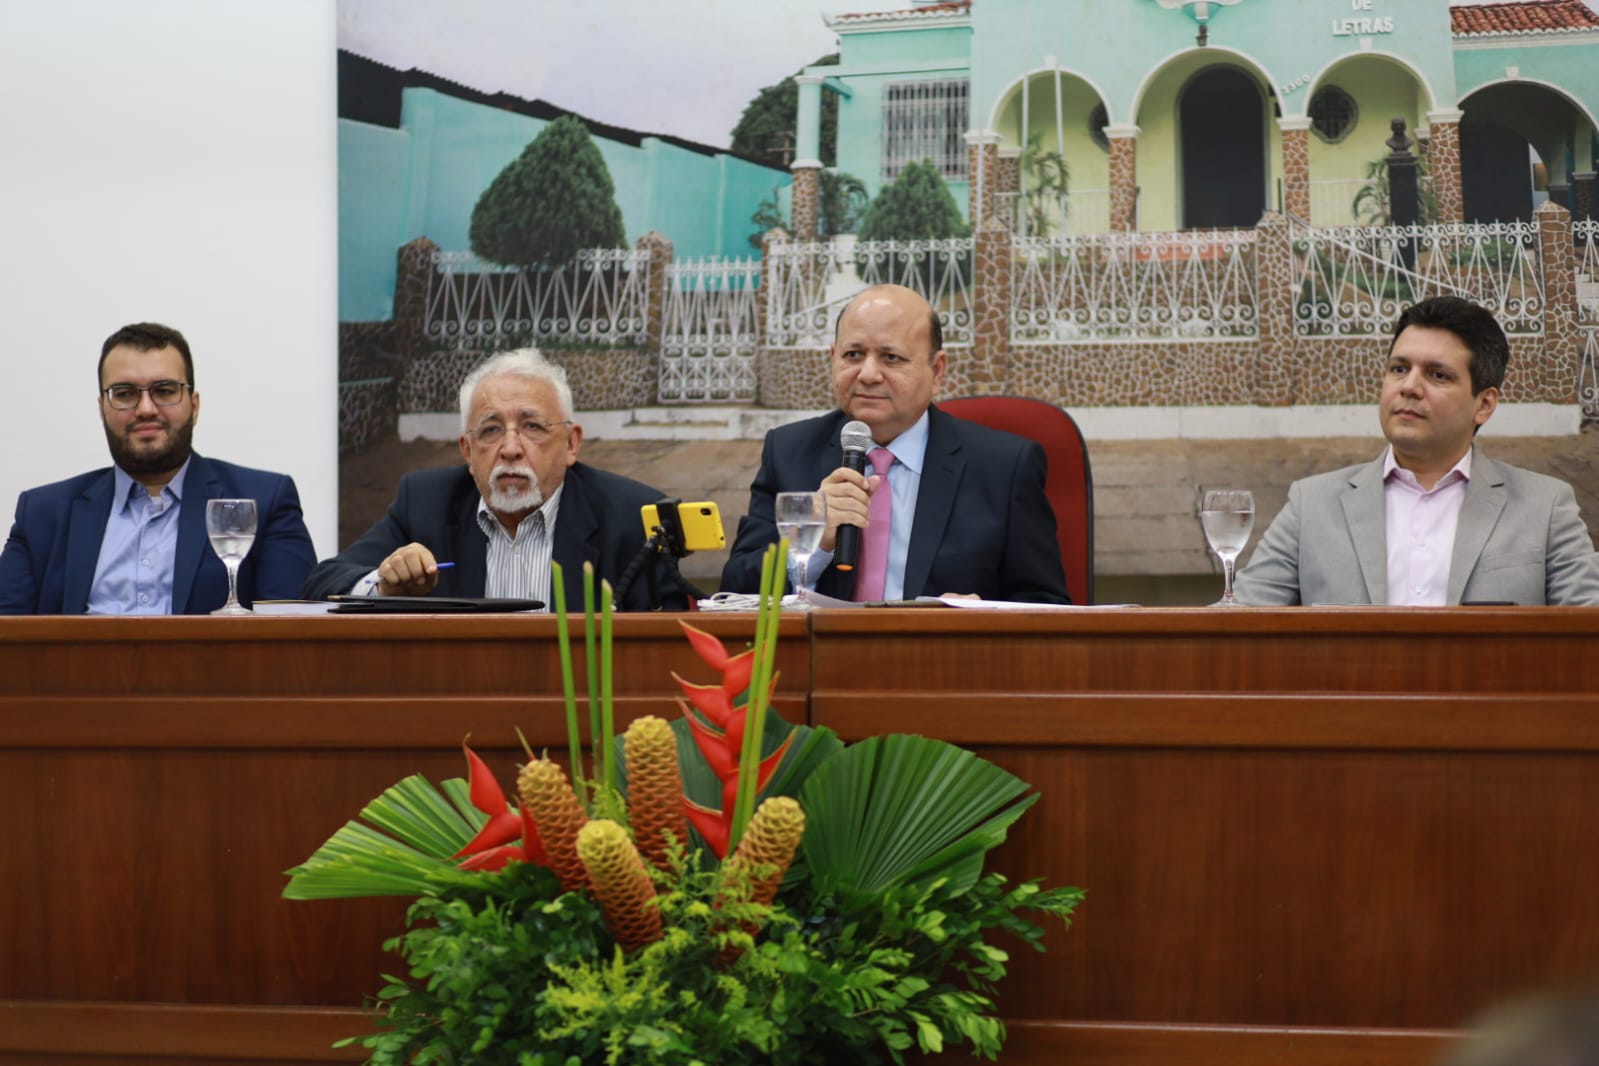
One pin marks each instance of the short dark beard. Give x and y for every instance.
(164, 461)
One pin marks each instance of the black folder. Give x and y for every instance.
(432, 605)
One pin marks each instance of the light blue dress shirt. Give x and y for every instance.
(139, 551)
(905, 482)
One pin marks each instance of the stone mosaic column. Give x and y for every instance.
(1443, 157)
(807, 165)
(767, 371)
(1561, 338)
(659, 249)
(1123, 176)
(989, 368)
(1273, 384)
(1296, 166)
(807, 201)
(982, 170)
(413, 270)
(1008, 184)
(1584, 195)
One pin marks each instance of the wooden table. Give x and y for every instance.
(1307, 835)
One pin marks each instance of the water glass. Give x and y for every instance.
(1228, 517)
(801, 519)
(231, 526)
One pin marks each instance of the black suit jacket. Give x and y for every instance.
(983, 523)
(599, 523)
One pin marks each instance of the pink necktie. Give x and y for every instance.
(874, 539)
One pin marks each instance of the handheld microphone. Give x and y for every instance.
(856, 439)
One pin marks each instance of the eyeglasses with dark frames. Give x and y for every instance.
(491, 434)
(123, 396)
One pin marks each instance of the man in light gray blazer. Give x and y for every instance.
(1432, 521)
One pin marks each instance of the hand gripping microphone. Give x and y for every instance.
(856, 439)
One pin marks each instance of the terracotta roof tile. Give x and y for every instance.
(948, 7)
(1527, 16)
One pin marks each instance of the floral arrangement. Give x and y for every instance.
(724, 888)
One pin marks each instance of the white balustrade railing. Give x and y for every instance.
(1354, 280)
(710, 333)
(810, 282)
(599, 298)
(1585, 232)
(1134, 286)
(1085, 210)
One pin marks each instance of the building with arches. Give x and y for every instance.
(1184, 114)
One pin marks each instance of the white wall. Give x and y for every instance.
(174, 161)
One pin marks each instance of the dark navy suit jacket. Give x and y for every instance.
(599, 523)
(983, 523)
(49, 559)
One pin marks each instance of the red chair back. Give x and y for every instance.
(1069, 483)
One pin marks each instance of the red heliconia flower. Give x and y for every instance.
(496, 843)
(719, 734)
(503, 825)
(709, 648)
(717, 826)
(531, 849)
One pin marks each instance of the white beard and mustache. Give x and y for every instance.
(514, 501)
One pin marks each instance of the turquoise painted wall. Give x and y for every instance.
(371, 209)
(1574, 69)
(871, 61)
(425, 178)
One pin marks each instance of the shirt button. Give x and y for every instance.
(144, 598)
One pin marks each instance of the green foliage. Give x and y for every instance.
(842, 202)
(915, 206)
(1373, 205)
(765, 131)
(509, 971)
(551, 201)
(904, 809)
(1048, 180)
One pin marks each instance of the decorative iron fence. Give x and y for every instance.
(711, 331)
(599, 298)
(1585, 233)
(1197, 284)
(811, 282)
(1354, 280)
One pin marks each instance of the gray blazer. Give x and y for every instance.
(1520, 540)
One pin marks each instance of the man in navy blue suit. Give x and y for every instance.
(130, 538)
(492, 527)
(979, 522)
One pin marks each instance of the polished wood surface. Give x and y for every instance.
(1333, 833)
(1364, 819)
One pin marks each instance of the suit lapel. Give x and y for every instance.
(576, 541)
(199, 485)
(85, 533)
(935, 500)
(1363, 511)
(467, 546)
(1479, 513)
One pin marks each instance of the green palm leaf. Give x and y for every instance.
(417, 828)
(897, 809)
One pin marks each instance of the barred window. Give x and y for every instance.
(1332, 113)
(925, 120)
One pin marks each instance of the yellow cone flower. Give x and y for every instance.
(543, 786)
(654, 789)
(621, 883)
(767, 847)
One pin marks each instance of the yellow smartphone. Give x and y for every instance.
(701, 524)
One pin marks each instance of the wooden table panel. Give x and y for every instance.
(1321, 836)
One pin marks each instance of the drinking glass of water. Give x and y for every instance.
(801, 518)
(1228, 516)
(231, 526)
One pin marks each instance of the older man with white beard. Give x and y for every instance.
(492, 527)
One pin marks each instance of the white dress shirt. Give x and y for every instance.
(1420, 531)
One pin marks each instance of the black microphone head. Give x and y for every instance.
(856, 437)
